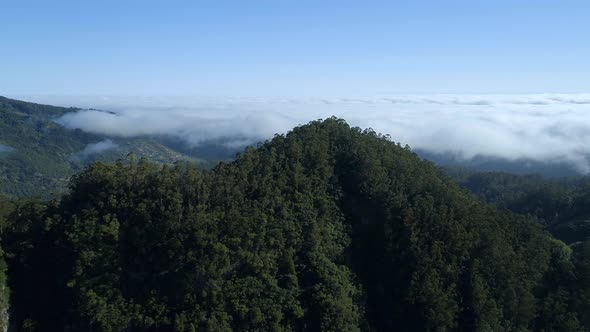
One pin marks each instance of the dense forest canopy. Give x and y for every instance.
(325, 228)
(560, 205)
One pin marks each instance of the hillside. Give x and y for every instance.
(38, 156)
(326, 228)
(560, 205)
(555, 168)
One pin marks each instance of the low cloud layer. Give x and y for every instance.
(95, 148)
(5, 148)
(545, 127)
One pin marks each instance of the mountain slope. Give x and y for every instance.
(561, 205)
(326, 228)
(38, 156)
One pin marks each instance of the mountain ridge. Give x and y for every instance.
(41, 154)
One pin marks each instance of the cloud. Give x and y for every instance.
(5, 148)
(543, 127)
(95, 148)
(235, 124)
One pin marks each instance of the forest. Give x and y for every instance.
(326, 228)
(38, 155)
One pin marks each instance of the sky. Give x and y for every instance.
(301, 48)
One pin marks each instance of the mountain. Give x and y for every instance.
(38, 156)
(326, 228)
(560, 205)
(521, 166)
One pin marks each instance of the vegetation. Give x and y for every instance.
(560, 205)
(6, 208)
(43, 155)
(326, 228)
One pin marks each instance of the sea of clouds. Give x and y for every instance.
(540, 127)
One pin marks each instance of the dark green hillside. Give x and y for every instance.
(560, 205)
(23, 108)
(326, 228)
(42, 155)
(39, 161)
(6, 208)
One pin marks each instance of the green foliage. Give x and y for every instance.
(44, 154)
(6, 209)
(561, 205)
(326, 228)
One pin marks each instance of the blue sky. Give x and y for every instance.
(293, 48)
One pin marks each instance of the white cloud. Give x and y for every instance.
(95, 148)
(543, 127)
(5, 148)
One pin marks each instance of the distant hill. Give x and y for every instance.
(561, 205)
(482, 163)
(38, 156)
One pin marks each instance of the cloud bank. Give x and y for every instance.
(5, 148)
(95, 148)
(542, 127)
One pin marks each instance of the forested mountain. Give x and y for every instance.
(326, 228)
(38, 156)
(520, 166)
(561, 205)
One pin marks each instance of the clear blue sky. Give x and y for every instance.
(293, 48)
